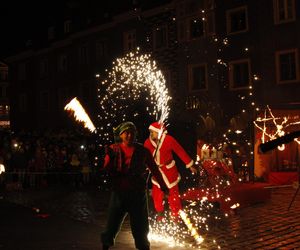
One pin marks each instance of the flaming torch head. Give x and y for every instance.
(80, 114)
(2, 168)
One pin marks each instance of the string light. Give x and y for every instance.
(280, 125)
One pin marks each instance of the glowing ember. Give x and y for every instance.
(80, 114)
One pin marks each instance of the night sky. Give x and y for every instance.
(29, 20)
(22, 20)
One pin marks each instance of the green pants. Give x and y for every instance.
(135, 204)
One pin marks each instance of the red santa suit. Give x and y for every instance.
(163, 154)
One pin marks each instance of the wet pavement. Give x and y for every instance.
(72, 218)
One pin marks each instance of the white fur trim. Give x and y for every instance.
(169, 185)
(154, 129)
(157, 130)
(191, 163)
(157, 156)
(170, 165)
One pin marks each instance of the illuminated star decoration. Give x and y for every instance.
(133, 80)
(280, 124)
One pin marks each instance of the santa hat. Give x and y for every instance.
(158, 127)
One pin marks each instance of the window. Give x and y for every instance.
(43, 67)
(210, 23)
(23, 102)
(4, 110)
(67, 26)
(196, 27)
(51, 33)
(197, 77)
(3, 75)
(237, 20)
(44, 101)
(83, 55)
(63, 95)
(62, 64)
(284, 11)
(287, 68)
(3, 91)
(129, 40)
(160, 37)
(101, 50)
(168, 78)
(22, 71)
(85, 91)
(239, 74)
(181, 31)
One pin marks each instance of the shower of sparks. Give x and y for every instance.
(80, 114)
(200, 208)
(278, 127)
(133, 80)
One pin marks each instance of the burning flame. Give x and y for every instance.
(2, 168)
(80, 114)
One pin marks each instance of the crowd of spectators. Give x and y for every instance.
(33, 159)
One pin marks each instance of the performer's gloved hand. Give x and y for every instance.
(193, 169)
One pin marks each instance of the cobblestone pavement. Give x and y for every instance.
(267, 225)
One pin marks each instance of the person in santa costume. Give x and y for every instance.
(162, 146)
(128, 162)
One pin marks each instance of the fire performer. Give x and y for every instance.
(127, 162)
(162, 147)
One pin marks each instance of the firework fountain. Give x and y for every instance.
(133, 82)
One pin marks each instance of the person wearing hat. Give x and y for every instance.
(127, 161)
(162, 146)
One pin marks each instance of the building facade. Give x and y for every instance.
(224, 61)
(4, 97)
